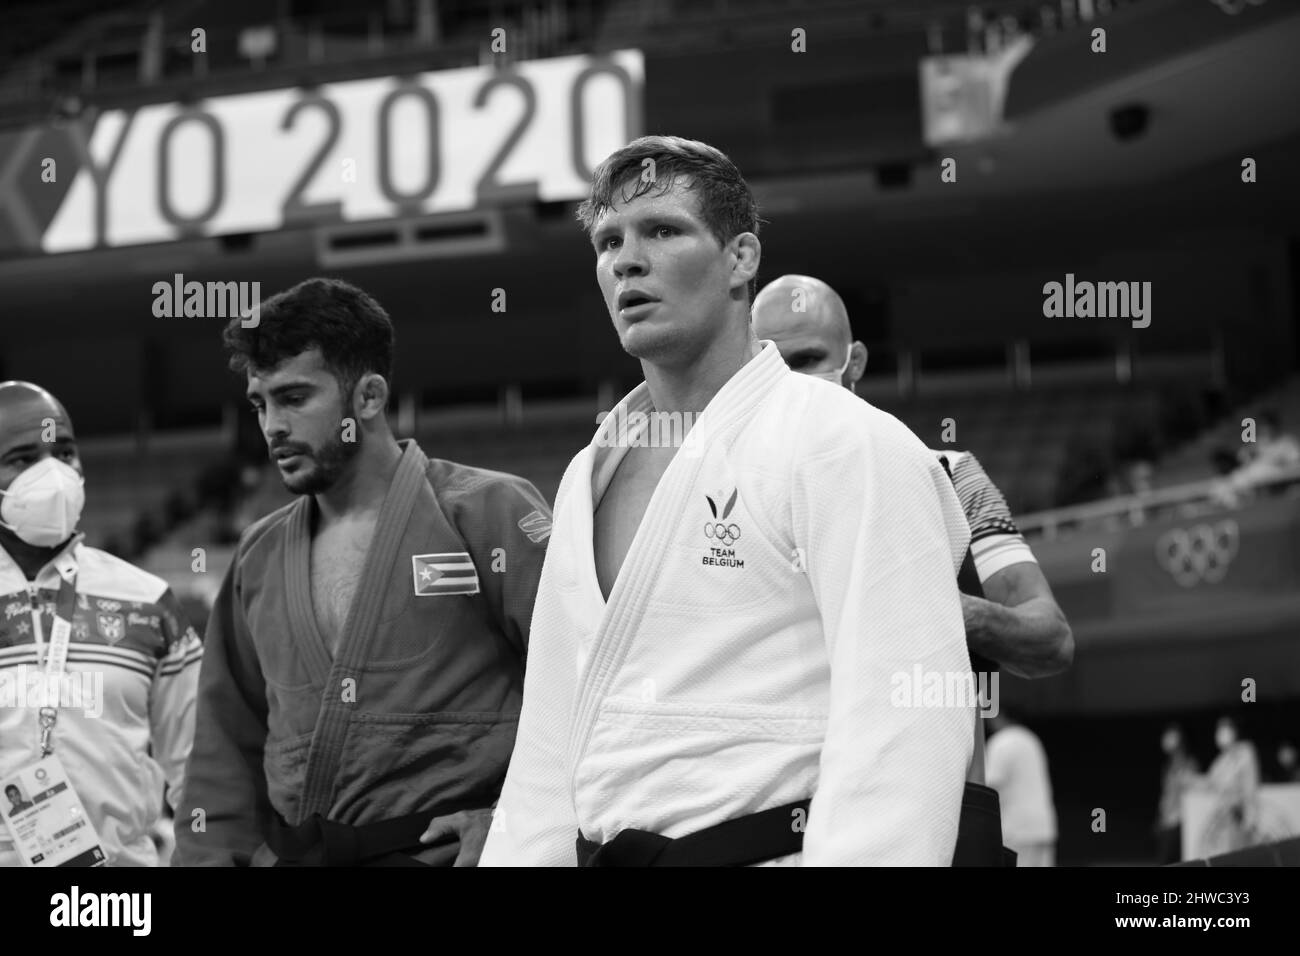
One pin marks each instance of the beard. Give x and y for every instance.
(321, 467)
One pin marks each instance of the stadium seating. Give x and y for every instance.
(1193, 460)
(1024, 439)
(29, 28)
(125, 483)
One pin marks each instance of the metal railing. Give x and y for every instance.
(1135, 509)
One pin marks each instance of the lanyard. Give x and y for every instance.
(56, 656)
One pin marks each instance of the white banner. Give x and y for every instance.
(348, 152)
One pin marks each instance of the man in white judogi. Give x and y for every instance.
(721, 621)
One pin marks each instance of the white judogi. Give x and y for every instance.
(717, 683)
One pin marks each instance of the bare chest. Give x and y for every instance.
(337, 558)
(621, 509)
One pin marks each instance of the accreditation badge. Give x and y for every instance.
(46, 819)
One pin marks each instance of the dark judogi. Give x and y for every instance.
(345, 759)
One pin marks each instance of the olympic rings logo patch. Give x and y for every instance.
(727, 535)
(718, 529)
(1200, 554)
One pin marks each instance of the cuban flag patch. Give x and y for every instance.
(437, 574)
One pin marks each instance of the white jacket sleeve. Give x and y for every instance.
(534, 823)
(883, 535)
(172, 697)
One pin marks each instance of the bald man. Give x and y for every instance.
(1016, 622)
(110, 637)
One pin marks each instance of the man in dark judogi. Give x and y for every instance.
(364, 670)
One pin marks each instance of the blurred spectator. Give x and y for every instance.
(1234, 778)
(1131, 476)
(1286, 759)
(1181, 773)
(1015, 765)
(1271, 445)
(1272, 454)
(1139, 477)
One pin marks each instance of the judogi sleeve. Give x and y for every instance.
(505, 524)
(995, 541)
(534, 823)
(882, 565)
(172, 695)
(225, 809)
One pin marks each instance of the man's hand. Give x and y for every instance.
(470, 826)
(972, 612)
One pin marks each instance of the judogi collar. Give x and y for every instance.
(362, 621)
(731, 405)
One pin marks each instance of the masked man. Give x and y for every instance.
(98, 667)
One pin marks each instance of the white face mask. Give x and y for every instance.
(43, 504)
(836, 377)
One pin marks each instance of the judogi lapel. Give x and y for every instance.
(358, 630)
(628, 601)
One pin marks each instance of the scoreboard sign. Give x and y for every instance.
(346, 152)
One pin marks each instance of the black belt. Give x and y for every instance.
(320, 842)
(753, 838)
(979, 830)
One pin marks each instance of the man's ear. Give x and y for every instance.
(370, 396)
(748, 251)
(857, 363)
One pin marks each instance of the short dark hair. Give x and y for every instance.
(352, 331)
(726, 204)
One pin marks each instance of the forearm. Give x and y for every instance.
(223, 817)
(1029, 640)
